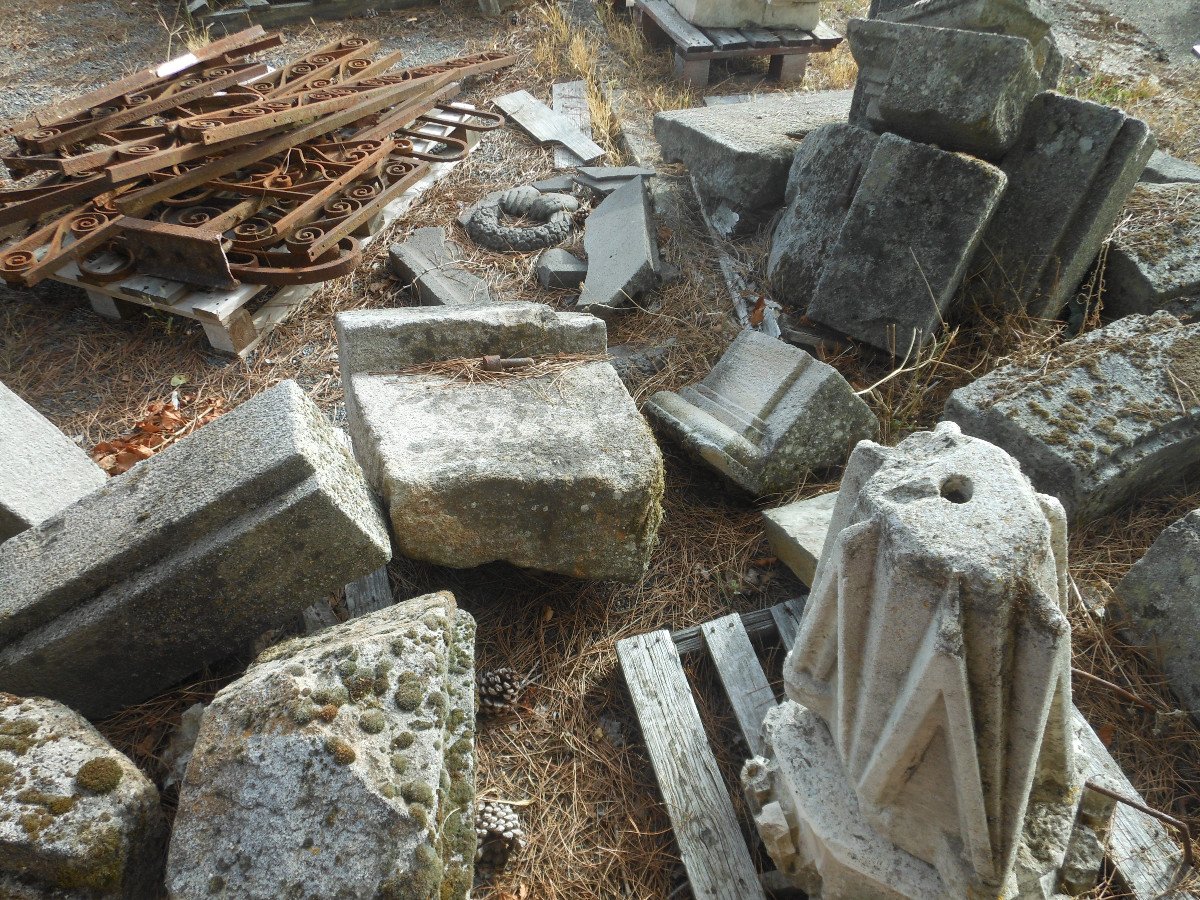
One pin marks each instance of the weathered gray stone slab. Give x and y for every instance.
(603, 180)
(77, 819)
(961, 90)
(187, 557)
(44, 472)
(1160, 601)
(557, 268)
(797, 532)
(824, 177)
(1154, 256)
(340, 765)
(1164, 168)
(1068, 177)
(553, 471)
(905, 244)
(428, 263)
(766, 416)
(1101, 419)
(740, 154)
(622, 252)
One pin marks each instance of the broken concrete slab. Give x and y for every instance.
(797, 533)
(766, 416)
(740, 154)
(44, 471)
(621, 241)
(1165, 169)
(1102, 419)
(1160, 604)
(1153, 258)
(428, 263)
(559, 269)
(186, 557)
(77, 818)
(910, 231)
(552, 469)
(1068, 177)
(961, 90)
(342, 763)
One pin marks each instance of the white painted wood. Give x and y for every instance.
(546, 126)
(737, 666)
(569, 98)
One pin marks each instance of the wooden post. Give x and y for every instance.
(693, 71)
(788, 69)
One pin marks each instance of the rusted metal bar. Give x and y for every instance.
(1163, 817)
(497, 364)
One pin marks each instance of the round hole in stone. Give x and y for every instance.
(957, 488)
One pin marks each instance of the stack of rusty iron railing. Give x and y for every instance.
(214, 170)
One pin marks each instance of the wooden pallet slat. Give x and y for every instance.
(826, 36)
(687, 37)
(793, 37)
(569, 99)
(727, 38)
(369, 594)
(738, 668)
(787, 621)
(545, 126)
(762, 37)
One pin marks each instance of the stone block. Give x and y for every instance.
(1160, 603)
(905, 244)
(1153, 259)
(804, 15)
(740, 154)
(559, 269)
(825, 174)
(44, 472)
(1068, 177)
(621, 241)
(78, 820)
(429, 264)
(1165, 169)
(766, 416)
(1099, 420)
(340, 765)
(187, 557)
(549, 469)
(797, 532)
(961, 90)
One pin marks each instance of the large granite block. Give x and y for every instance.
(1153, 260)
(187, 557)
(44, 472)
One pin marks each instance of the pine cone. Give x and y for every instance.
(499, 835)
(500, 689)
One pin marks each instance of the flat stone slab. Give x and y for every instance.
(797, 532)
(428, 263)
(1163, 168)
(77, 818)
(44, 472)
(1101, 419)
(554, 471)
(341, 765)
(187, 557)
(622, 252)
(556, 268)
(740, 154)
(1154, 256)
(766, 416)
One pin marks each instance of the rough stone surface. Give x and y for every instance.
(1068, 177)
(186, 557)
(622, 252)
(428, 263)
(740, 154)
(557, 268)
(603, 180)
(44, 472)
(1160, 601)
(636, 362)
(487, 225)
(766, 416)
(802, 14)
(931, 674)
(341, 765)
(77, 819)
(905, 244)
(961, 90)
(1101, 419)
(825, 175)
(1153, 261)
(555, 471)
(1165, 169)
(797, 532)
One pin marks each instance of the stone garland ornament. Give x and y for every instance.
(551, 212)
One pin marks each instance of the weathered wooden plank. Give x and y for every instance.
(727, 38)
(702, 817)
(758, 624)
(787, 621)
(793, 37)
(826, 36)
(544, 125)
(369, 594)
(686, 36)
(762, 37)
(741, 675)
(569, 98)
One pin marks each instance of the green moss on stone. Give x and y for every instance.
(99, 775)
(417, 792)
(341, 751)
(372, 721)
(403, 740)
(409, 691)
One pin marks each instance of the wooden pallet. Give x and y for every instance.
(273, 15)
(698, 801)
(695, 48)
(237, 320)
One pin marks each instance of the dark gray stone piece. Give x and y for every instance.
(1164, 168)
(1153, 260)
(556, 268)
(622, 252)
(603, 180)
(429, 264)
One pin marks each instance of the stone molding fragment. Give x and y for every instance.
(428, 263)
(341, 764)
(797, 533)
(961, 90)
(621, 241)
(44, 471)
(1102, 419)
(187, 557)
(555, 471)
(1153, 258)
(78, 820)
(558, 269)
(1069, 174)
(767, 415)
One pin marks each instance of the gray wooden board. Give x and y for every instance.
(758, 623)
(706, 829)
(686, 36)
(793, 37)
(787, 620)
(569, 99)
(761, 37)
(544, 125)
(741, 675)
(369, 594)
(727, 38)
(827, 37)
